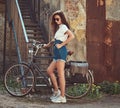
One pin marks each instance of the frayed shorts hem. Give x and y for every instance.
(55, 60)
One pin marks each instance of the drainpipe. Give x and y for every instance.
(4, 46)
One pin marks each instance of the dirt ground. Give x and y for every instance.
(37, 101)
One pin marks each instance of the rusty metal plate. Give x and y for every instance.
(116, 31)
(95, 9)
(112, 50)
(96, 54)
(116, 53)
(96, 61)
(95, 30)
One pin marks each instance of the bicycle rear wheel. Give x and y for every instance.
(78, 85)
(19, 80)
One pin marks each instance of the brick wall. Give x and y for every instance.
(1, 34)
(10, 48)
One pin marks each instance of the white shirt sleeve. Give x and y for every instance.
(64, 28)
(60, 34)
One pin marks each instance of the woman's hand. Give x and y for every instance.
(49, 44)
(58, 46)
(45, 46)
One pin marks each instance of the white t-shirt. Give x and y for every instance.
(60, 34)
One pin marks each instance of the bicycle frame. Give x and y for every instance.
(36, 69)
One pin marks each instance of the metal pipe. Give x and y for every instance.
(4, 48)
(16, 42)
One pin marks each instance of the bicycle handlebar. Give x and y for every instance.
(37, 45)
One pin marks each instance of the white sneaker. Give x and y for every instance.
(55, 94)
(59, 99)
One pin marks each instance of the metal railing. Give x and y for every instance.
(21, 19)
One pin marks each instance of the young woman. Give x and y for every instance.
(62, 36)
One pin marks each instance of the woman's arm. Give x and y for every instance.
(49, 44)
(70, 37)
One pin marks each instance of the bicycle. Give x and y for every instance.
(20, 79)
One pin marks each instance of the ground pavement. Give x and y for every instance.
(37, 101)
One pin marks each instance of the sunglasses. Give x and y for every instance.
(56, 19)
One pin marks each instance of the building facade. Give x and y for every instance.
(95, 24)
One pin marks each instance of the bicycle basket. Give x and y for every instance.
(79, 67)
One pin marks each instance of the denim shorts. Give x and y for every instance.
(61, 53)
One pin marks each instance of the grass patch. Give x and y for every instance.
(2, 88)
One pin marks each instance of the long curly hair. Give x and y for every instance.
(54, 25)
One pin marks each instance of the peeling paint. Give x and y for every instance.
(100, 3)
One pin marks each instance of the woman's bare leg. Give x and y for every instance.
(60, 68)
(50, 72)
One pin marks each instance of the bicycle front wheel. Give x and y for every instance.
(19, 80)
(78, 85)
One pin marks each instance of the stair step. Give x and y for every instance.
(23, 5)
(24, 10)
(27, 20)
(31, 31)
(26, 17)
(38, 37)
(25, 14)
(35, 38)
(33, 34)
(31, 25)
(29, 34)
(23, 1)
(31, 28)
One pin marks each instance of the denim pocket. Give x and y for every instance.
(63, 52)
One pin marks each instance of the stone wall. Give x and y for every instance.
(10, 57)
(113, 10)
(76, 13)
